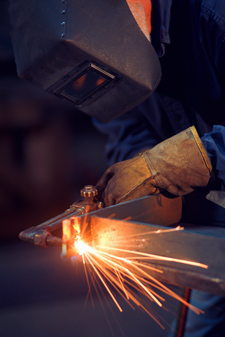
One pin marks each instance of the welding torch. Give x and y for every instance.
(41, 235)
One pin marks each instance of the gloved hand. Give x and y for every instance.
(178, 165)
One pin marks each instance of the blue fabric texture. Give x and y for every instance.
(209, 324)
(212, 323)
(189, 37)
(214, 143)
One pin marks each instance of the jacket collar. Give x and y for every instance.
(160, 23)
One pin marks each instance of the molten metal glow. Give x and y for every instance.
(80, 245)
(129, 276)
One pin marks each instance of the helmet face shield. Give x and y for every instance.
(85, 84)
(91, 53)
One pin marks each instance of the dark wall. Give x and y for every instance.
(48, 150)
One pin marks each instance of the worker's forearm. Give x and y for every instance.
(214, 144)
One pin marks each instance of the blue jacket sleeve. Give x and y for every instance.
(141, 128)
(214, 144)
(126, 137)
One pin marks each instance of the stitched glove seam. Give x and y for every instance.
(136, 187)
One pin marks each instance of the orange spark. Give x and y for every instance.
(122, 274)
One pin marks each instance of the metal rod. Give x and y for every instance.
(55, 222)
(182, 314)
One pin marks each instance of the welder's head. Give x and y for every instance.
(89, 52)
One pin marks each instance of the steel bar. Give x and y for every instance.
(182, 313)
(153, 209)
(187, 244)
(200, 243)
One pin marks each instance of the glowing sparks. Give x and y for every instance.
(123, 271)
(145, 256)
(129, 276)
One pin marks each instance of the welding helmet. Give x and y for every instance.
(89, 52)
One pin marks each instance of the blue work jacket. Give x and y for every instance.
(189, 38)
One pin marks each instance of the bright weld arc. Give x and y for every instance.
(80, 245)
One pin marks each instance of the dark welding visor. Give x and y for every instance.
(92, 53)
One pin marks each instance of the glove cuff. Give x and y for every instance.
(180, 164)
(201, 148)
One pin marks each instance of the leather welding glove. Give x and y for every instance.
(178, 165)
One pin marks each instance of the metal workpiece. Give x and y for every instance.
(153, 209)
(41, 235)
(128, 238)
(203, 244)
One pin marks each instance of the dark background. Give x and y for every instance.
(48, 149)
(48, 152)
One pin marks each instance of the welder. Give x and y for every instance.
(170, 141)
(156, 145)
